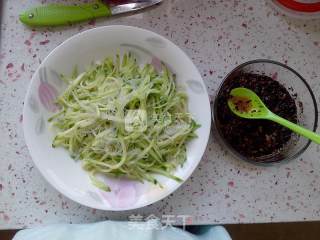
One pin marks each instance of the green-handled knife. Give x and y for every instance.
(59, 14)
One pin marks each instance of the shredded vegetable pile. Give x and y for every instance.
(123, 120)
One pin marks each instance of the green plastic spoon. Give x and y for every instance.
(246, 104)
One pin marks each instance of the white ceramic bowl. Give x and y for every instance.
(55, 164)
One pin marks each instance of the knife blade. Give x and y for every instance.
(59, 14)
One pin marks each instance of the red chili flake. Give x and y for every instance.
(22, 67)
(211, 72)
(316, 43)
(10, 65)
(1, 187)
(242, 104)
(44, 42)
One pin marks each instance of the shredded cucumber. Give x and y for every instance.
(123, 120)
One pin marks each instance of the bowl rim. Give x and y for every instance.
(147, 203)
(234, 152)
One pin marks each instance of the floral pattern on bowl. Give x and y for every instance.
(124, 193)
(47, 93)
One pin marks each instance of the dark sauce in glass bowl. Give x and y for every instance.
(256, 139)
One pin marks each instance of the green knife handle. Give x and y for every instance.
(58, 14)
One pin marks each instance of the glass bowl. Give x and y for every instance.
(300, 91)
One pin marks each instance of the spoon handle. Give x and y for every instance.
(296, 128)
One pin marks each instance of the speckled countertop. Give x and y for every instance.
(218, 35)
